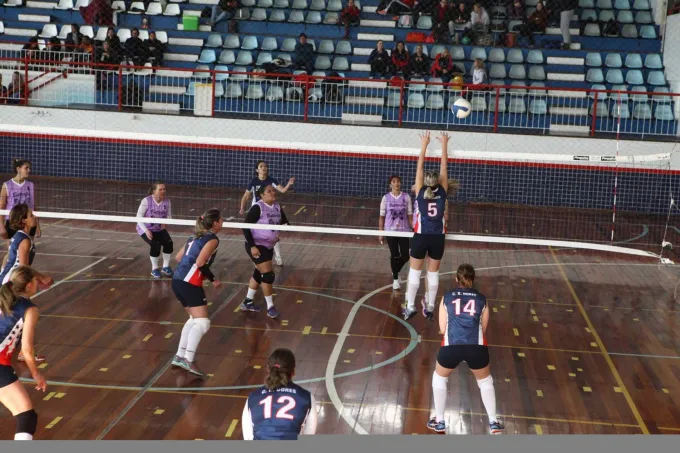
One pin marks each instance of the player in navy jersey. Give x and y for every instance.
(280, 409)
(156, 205)
(464, 318)
(264, 179)
(195, 259)
(18, 320)
(429, 228)
(17, 190)
(260, 246)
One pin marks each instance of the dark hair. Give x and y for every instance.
(20, 277)
(18, 215)
(257, 164)
(262, 188)
(18, 163)
(154, 186)
(302, 34)
(206, 221)
(466, 275)
(389, 181)
(281, 366)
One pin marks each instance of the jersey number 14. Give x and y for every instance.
(281, 413)
(468, 308)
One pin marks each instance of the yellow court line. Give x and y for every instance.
(600, 344)
(232, 428)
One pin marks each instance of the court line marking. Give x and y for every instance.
(69, 277)
(155, 378)
(602, 348)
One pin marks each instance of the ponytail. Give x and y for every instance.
(206, 222)
(281, 367)
(430, 180)
(466, 275)
(7, 298)
(19, 278)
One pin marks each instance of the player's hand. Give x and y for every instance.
(149, 235)
(241, 212)
(425, 138)
(291, 181)
(443, 138)
(217, 284)
(380, 238)
(255, 252)
(40, 382)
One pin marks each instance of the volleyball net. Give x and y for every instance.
(559, 197)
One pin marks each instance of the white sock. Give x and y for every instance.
(184, 339)
(166, 260)
(195, 335)
(277, 249)
(270, 301)
(23, 436)
(488, 397)
(412, 288)
(432, 287)
(251, 293)
(439, 393)
(155, 262)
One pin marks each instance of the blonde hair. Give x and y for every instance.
(9, 292)
(205, 222)
(431, 179)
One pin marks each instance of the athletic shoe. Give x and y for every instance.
(192, 368)
(278, 260)
(273, 312)
(408, 314)
(426, 311)
(496, 427)
(178, 361)
(248, 305)
(396, 285)
(438, 427)
(38, 358)
(167, 271)
(156, 273)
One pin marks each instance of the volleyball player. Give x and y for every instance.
(281, 409)
(195, 259)
(464, 318)
(16, 191)
(263, 179)
(428, 238)
(18, 320)
(260, 246)
(396, 214)
(156, 205)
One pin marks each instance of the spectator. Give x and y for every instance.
(31, 49)
(395, 7)
(460, 20)
(479, 18)
(86, 46)
(566, 9)
(304, 55)
(441, 12)
(536, 23)
(516, 10)
(422, 7)
(379, 61)
(74, 38)
(53, 51)
(98, 12)
(440, 33)
(228, 9)
(108, 55)
(443, 66)
(420, 63)
(135, 49)
(16, 91)
(3, 92)
(350, 16)
(479, 76)
(113, 40)
(155, 49)
(401, 60)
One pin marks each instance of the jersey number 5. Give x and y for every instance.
(281, 413)
(432, 209)
(469, 307)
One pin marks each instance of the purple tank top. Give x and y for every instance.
(269, 215)
(396, 212)
(19, 193)
(155, 211)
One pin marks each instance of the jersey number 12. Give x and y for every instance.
(469, 307)
(281, 413)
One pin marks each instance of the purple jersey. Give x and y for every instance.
(269, 215)
(19, 193)
(150, 209)
(396, 211)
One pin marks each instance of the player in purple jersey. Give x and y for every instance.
(396, 214)
(16, 191)
(463, 319)
(260, 247)
(263, 179)
(429, 228)
(156, 205)
(18, 320)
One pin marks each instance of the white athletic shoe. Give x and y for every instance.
(278, 260)
(395, 285)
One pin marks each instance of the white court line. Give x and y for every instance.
(71, 256)
(70, 276)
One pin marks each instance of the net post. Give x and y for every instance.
(213, 73)
(593, 122)
(120, 88)
(402, 82)
(306, 96)
(495, 116)
(24, 98)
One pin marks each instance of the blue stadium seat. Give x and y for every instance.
(214, 40)
(221, 75)
(620, 109)
(435, 102)
(586, 4)
(517, 71)
(536, 72)
(656, 78)
(633, 61)
(643, 17)
(435, 88)
(331, 18)
(497, 71)
(274, 93)
(591, 30)
(515, 56)
(244, 58)
(265, 3)
(313, 17)
(232, 42)
(663, 113)
(259, 14)
(600, 96)
(277, 15)
(288, 45)
(478, 52)
(341, 64)
(660, 98)
(336, 5)
(249, 43)
(588, 14)
(207, 56)
(625, 17)
(517, 105)
(227, 57)
(300, 4)
(519, 87)
(323, 62)
(535, 57)
(614, 76)
(622, 4)
(613, 60)
(424, 23)
(478, 104)
(247, 3)
(648, 32)
(606, 15)
(415, 101)
(593, 59)
(457, 53)
(233, 91)
(604, 4)
(538, 107)
(629, 31)
(296, 17)
(393, 99)
(318, 5)
(497, 56)
(641, 5)
(343, 48)
(601, 111)
(254, 91)
(326, 46)
(269, 43)
(622, 94)
(642, 112)
(263, 58)
(634, 77)
(653, 61)
(595, 75)
(638, 94)
(437, 49)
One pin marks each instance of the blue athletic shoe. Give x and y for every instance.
(496, 427)
(438, 427)
(273, 312)
(156, 273)
(248, 305)
(167, 271)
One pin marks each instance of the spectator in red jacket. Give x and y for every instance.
(401, 60)
(443, 66)
(350, 16)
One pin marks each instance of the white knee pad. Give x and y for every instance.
(439, 382)
(433, 278)
(487, 382)
(414, 276)
(202, 324)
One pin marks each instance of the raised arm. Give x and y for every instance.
(443, 173)
(420, 170)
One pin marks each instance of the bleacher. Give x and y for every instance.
(269, 29)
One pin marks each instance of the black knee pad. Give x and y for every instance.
(155, 249)
(27, 422)
(257, 276)
(168, 247)
(268, 277)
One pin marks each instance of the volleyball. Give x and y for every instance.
(461, 108)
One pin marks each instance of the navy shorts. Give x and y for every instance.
(431, 245)
(188, 295)
(7, 376)
(475, 355)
